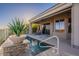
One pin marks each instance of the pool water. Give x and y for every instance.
(34, 46)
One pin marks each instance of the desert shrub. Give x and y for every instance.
(34, 27)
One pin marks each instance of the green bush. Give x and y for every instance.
(17, 27)
(34, 27)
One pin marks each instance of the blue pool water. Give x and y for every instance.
(34, 46)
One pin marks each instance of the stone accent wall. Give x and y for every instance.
(13, 46)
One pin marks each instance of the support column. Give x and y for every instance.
(54, 24)
(41, 28)
(66, 28)
(30, 28)
(75, 25)
(51, 28)
(38, 29)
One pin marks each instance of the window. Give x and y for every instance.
(59, 25)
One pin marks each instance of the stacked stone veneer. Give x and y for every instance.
(13, 46)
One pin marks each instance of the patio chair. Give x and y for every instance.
(53, 42)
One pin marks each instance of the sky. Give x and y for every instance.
(23, 11)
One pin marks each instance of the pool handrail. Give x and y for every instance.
(52, 37)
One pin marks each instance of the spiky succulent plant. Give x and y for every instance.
(17, 27)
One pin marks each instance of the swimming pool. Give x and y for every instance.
(34, 46)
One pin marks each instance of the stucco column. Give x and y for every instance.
(54, 24)
(41, 28)
(75, 25)
(51, 29)
(38, 29)
(30, 28)
(66, 28)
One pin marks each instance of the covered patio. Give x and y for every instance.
(57, 23)
(61, 21)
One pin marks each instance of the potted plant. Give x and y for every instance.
(17, 29)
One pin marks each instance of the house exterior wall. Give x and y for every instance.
(74, 35)
(51, 20)
(75, 25)
(62, 35)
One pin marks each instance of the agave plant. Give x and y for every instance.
(17, 27)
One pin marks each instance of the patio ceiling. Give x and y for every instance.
(57, 9)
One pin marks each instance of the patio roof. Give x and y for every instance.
(58, 8)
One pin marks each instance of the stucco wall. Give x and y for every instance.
(65, 15)
(60, 35)
(75, 24)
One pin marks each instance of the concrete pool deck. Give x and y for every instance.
(65, 49)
